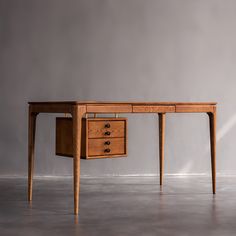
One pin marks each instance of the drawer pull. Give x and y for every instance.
(107, 133)
(107, 150)
(107, 125)
(107, 143)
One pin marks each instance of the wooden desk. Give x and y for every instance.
(79, 109)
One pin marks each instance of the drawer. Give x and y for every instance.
(106, 147)
(106, 108)
(153, 109)
(106, 128)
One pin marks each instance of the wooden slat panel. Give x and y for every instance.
(152, 109)
(109, 108)
(194, 108)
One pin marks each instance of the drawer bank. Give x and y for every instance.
(101, 137)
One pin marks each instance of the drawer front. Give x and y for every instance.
(152, 109)
(115, 108)
(194, 108)
(106, 128)
(106, 147)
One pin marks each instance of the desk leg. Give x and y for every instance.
(162, 123)
(212, 119)
(31, 145)
(77, 122)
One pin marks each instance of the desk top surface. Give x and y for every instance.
(117, 102)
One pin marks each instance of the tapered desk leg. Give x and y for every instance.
(31, 145)
(77, 122)
(212, 120)
(162, 122)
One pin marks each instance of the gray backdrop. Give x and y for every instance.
(144, 50)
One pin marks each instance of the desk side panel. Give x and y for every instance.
(51, 108)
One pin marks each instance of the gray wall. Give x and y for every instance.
(145, 50)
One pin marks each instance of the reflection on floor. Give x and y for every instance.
(119, 206)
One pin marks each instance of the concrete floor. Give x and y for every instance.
(119, 206)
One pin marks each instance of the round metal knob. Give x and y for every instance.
(107, 143)
(107, 150)
(107, 125)
(107, 133)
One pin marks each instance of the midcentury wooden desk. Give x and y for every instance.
(79, 109)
